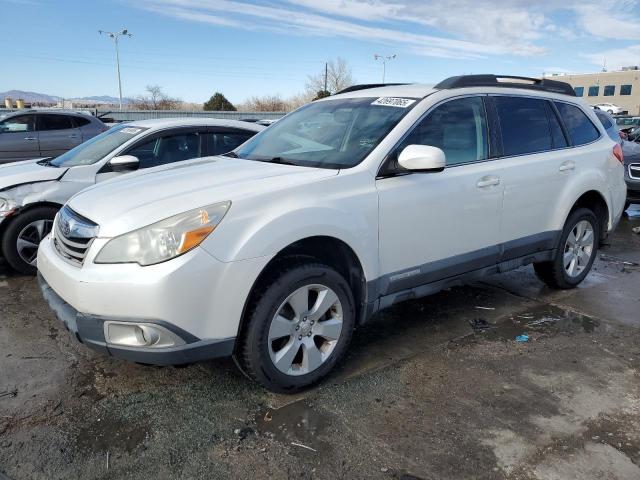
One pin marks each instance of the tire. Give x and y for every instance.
(269, 346)
(30, 227)
(560, 275)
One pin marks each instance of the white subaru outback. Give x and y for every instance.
(275, 252)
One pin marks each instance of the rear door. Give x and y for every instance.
(537, 164)
(18, 138)
(57, 134)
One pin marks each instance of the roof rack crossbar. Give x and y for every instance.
(364, 86)
(488, 80)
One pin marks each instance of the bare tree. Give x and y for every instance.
(156, 99)
(266, 103)
(338, 77)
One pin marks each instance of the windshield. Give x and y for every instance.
(328, 134)
(98, 147)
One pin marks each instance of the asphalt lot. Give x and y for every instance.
(422, 394)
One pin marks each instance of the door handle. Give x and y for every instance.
(567, 166)
(73, 135)
(30, 138)
(488, 181)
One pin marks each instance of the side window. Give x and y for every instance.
(54, 122)
(167, 149)
(579, 91)
(458, 127)
(557, 135)
(21, 123)
(223, 142)
(524, 125)
(578, 125)
(80, 122)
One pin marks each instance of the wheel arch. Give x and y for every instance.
(21, 210)
(329, 250)
(595, 201)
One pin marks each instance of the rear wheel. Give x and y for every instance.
(298, 328)
(23, 235)
(575, 254)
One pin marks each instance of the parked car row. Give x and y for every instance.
(32, 191)
(276, 250)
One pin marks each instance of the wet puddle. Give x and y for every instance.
(296, 424)
(537, 321)
(111, 434)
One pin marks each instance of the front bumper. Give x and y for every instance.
(89, 330)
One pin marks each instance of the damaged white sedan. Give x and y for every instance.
(32, 191)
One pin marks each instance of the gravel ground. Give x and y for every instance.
(436, 388)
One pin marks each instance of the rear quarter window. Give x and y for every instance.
(580, 128)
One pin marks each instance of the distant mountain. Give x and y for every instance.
(35, 97)
(29, 96)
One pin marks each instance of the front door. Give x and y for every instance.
(433, 226)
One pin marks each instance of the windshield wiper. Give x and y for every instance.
(281, 161)
(46, 162)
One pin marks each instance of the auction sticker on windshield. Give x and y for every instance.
(394, 102)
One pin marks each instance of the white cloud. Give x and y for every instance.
(461, 29)
(615, 59)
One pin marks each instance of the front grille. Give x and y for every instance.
(73, 235)
(634, 171)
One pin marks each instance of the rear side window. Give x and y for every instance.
(524, 125)
(81, 122)
(54, 122)
(581, 130)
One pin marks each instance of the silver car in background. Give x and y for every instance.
(32, 191)
(29, 134)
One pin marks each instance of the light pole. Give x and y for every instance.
(115, 37)
(384, 60)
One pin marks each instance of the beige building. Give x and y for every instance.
(621, 88)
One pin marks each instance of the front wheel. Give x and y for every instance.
(23, 235)
(298, 328)
(575, 254)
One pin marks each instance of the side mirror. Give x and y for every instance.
(422, 158)
(124, 163)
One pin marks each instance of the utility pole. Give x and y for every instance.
(115, 37)
(384, 60)
(326, 70)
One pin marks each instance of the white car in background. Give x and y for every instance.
(275, 252)
(32, 191)
(610, 108)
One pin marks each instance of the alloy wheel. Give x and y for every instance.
(578, 248)
(30, 237)
(305, 329)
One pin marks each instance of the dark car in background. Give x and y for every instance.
(631, 152)
(30, 134)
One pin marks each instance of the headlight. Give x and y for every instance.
(166, 239)
(7, 207)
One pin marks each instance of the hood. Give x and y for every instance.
(134, 201)
(28, 171)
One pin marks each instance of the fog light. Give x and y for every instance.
(140, 335)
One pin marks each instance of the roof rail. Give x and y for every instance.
(364, 86)
(541, 84)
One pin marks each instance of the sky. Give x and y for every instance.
(192, 48)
